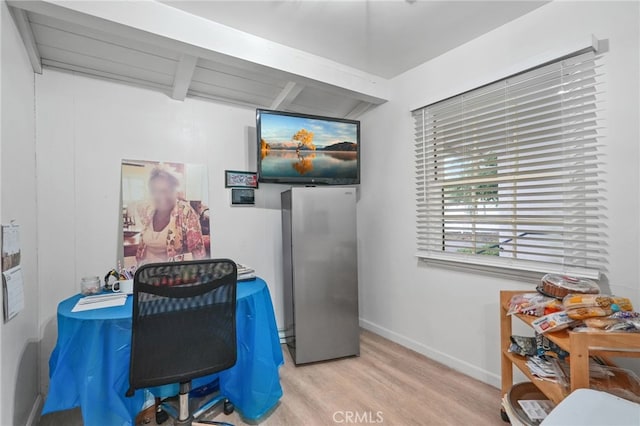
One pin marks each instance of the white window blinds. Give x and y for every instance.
(507, 174)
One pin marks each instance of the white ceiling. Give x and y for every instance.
(384, 38)
(57, 39)
(315, 57)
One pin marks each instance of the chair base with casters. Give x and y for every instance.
(184, 417)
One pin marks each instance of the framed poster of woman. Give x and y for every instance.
(164, 212)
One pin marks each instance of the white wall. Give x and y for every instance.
(20, 335)
(451, 315)
(85, 127)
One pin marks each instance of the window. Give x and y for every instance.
(507, 174)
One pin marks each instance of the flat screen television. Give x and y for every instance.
(307, 149)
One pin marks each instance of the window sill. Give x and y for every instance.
(506, 268)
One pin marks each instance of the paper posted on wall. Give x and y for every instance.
(10, 246)
(13, 288)
(12, 283)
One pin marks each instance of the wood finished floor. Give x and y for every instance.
(404, 386)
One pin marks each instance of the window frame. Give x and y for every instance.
(478, 261)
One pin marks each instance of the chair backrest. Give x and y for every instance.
(184, 321)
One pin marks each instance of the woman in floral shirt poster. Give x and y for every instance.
(170, 226)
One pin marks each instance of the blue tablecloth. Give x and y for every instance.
(89, 367)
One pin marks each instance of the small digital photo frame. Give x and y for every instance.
(242, 197)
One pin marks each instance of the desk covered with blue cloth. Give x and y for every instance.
(89, 367)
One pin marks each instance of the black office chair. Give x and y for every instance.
(184, 327)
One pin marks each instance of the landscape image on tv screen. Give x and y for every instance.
(310, 149)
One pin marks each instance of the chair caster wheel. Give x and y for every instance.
(228, 407)
(503, 415)
(161, 416)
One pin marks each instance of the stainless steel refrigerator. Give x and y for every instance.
(320, 273)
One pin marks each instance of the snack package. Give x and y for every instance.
(552, 322)
(626, 315)
(618, 321)
(544, 345)
(584, 306)
(554, 305)
(585, 313)
(601, 323)
(623, 304)
(523, 346)
(628, 325)
(532, 304)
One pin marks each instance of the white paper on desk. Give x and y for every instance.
(103, 303)
(13, 289)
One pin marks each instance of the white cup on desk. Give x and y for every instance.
(123, 286)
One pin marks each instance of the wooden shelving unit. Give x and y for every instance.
(581, 346)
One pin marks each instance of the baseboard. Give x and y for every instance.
(436, 355)
(34, 415)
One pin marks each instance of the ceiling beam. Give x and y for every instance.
(184, 73)
(160, 24)
(287, 95)
(26, 32)
(359, 109)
